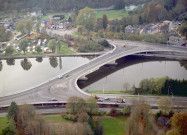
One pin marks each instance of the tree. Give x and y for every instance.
(165, 104)
(24, 26)
(21, 27)
(83, 117)
(26, 64)
(86, 18)
(119, 5)
(140, 20)
(75, 104)
(105, 21)
(91, 105)
(4, 36)
(98, 127)
(178, 124)
(9, 50)
(140, 121)
(23, 45)
(52, 45)
(12, 111)
(38, 49)
(53, 62)
(183, 30)
(127, 110)
(28, 26)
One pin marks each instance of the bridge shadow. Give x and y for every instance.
(123, 62)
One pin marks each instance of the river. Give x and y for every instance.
(17, 75)
(131, 70)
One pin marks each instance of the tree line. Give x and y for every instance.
(61, 5)
(163, 86)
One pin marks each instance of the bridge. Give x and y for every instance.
(62, 89)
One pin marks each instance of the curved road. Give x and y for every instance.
(62, 89)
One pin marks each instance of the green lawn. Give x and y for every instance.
(76, 33)
(114, 125)
(112, 14)
(55, 118)
(106, 92)
(3, 123)
(64, 49)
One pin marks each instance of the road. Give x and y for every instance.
(62, 89)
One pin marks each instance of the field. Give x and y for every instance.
(112, 14)
(114, 125)
(3, 123)
(64, 49)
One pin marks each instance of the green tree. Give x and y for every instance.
(26, 64)
(105, 21)
(183, 30)
(9, 50)
(23, 45)
(120, 4)
(165, 104)
(91, 105)
(12, 111)
(52, 45)
(86, 18)
(28, 26)
(75, 104)
(38, 49)
(21, 26)
(4, 36)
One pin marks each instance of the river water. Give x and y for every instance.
(131, 70)
(19, 74)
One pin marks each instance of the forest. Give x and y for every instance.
(61, 5)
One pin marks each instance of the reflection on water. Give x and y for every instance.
(1, 65)
(130, 71)
(39, 59)
(53, 62)
(27, 73)
(10, 61)
(26, 64)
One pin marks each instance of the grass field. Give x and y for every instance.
(55, 118)
(3, 123)
(114, 125)
(106, 92)
(112, 14)
(64, 49)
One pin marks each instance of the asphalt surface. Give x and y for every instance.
(62, 89)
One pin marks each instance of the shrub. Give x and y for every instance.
(113, 111)
(127, 110)
(104, 43)
(69, 117)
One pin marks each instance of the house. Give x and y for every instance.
(130, 29)
(44, 22)
(164, 27)
(2, 46)
(176, 41)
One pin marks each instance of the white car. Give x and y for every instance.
(100, 100)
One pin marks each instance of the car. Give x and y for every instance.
(106, 98)
(100, 100)
(54, 99)
(60, 77)
(67, 76)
